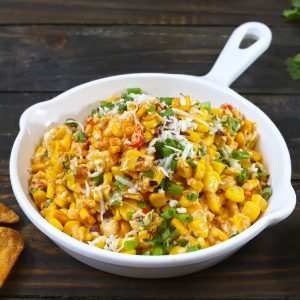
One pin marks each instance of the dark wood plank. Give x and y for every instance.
(182, 12)
(284, 110)
(47, 58)
(266, 267)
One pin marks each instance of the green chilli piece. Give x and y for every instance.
(151, 109)
(97, 180)
(141, 204)
(192, 163)
(131, 244)
(137, 91)
(240, 154)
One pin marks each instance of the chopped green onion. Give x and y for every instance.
(130, 214)
(97, 180)
(266, 193)
(173, 165)
(205, 105)
(149, 174)
(167, 100)
(158, 149)
(169, 214)
(158, 251)
(175, 233)
(193, 248)
(175, 189)
(119, 185)
(261, 175)
(234, 125)
(122, 106)
(240, 154)
(71, 123)
(134, 91)
(155, 241)
(172, 143)
(166, 235)
(192, 163)
(106, 104)
(131, 244)
(192, 196)
(146, 253)
(141, 204)
(167, 112)
(183, 243)
(185, 218)
(128, 98)
(167, 151)
(243, 176)
(151, 109)
(201, 151)
(80, 137)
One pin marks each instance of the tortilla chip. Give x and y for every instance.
(11, 245)
(7, 215)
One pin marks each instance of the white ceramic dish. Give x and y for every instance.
(79, 101)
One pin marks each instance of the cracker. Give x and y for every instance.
(11, 245)
(7, 215)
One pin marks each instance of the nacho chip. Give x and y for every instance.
(7, 215)
(11, 245)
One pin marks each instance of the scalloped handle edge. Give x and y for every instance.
(233, 60)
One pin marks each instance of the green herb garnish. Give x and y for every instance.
(293, 66)
(167, 112)
(205, 105)
(293, 14)
(119, 185)
(169, 214)
(193, 248)
(233, 124)
(243, 176)
(131, 244)
(192, 196)
(149, 174)
(105, 104)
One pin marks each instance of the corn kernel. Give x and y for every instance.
(198, 227)
(211, 181)
(208, 140)
(256, 156)
(197, 185)
(235, 193)
(183, 168)
(71, 226)
(158, 199)
(251, 210)
(39, 196)
(200, 169)
(86, 217)
(53, 221)
(177, 250)
(193, 136)
(217, 166)
(179, 226)
(214, 202)
(260, 201)
(127, 208)
(216, 235)
(107, 177)
(241, 222)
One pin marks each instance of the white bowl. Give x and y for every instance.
(79, 101)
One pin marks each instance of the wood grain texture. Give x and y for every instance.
(55, 58)
(154, 12)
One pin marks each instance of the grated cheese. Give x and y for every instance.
(181, 210)
(173, 203)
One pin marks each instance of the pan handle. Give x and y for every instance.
(233, 60)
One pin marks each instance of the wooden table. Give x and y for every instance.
(46, 47)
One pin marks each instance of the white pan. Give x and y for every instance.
(214, 87)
